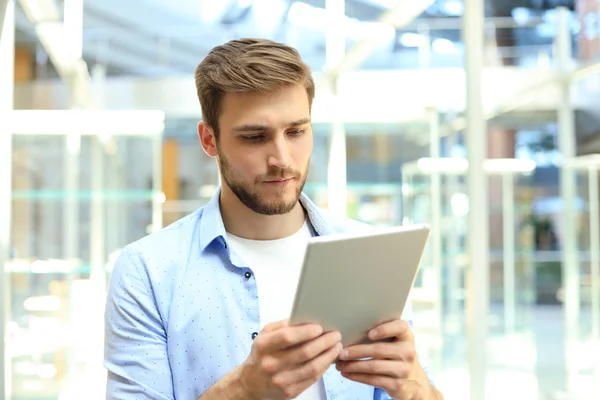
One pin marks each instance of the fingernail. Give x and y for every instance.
(373, 334)
(343, 354)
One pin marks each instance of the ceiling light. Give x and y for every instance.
(413, 40)
(521, 15)
(443, 46)
(88, 122)
(453, 7)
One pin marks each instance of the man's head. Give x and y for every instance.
(256, 98)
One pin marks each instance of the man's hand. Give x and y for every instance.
(390, 365)
(286, 360)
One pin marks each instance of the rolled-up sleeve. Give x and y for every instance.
(135, 350)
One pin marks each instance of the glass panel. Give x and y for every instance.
(196, 178)
(58, 271)
(586, 345)
(374, 185)
(444, 328)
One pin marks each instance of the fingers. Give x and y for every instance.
(286, 337)
(397, 328)
(404, 351)
(294, 390)
(290, 358)
(381, 381)
(313, 348)
(273, 326)
(311, 370)
(394, 369)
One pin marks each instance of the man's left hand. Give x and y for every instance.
(391, 365)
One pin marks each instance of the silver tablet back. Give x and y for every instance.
(352, 283)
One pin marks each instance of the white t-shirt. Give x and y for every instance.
(276, 265)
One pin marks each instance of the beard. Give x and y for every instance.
(250, 196)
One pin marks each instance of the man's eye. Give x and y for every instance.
(253, 138)
(296, 132)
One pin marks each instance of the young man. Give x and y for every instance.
(185, 305)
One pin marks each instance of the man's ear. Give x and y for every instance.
(207, 139)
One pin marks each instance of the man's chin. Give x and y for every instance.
(278, 207)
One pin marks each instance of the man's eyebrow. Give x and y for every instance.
(251, 128)
(263, 128)
(300, 122)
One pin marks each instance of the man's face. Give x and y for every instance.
(264, 148)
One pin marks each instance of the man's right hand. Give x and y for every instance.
(286, 360)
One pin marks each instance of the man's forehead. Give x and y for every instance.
(270, 109)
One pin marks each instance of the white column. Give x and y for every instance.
(335, 41)
(508, 242)
(72, 24)
(337, 192)
(453, 186)
(594, 248)
(158, 198)
(7, 53)
(436, 214)
(71, 171)
(478, 236)
(97, 210)
(568, 192)
(71, 204)
(425, 48)
(98, 205)
(336, 169)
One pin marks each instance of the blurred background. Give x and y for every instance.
(98, 148)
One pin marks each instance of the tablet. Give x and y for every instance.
(354, 282)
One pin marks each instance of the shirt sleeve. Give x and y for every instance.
(135, 349)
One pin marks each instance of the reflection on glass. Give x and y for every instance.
(57, 299)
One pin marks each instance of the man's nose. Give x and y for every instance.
(279, 155)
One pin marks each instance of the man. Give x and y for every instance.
(186, 305)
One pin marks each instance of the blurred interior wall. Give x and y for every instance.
(24, 62)
(501, 144)
(170, 178)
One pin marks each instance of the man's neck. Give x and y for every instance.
(241, 221)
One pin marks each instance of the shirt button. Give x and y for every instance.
(254, 335)
(248, 274)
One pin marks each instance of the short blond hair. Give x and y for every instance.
(245, 66)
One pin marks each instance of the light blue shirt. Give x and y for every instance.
(182, 311)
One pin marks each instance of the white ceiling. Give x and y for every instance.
(157, 38)
(162, 37)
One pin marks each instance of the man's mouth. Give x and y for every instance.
(279, 181)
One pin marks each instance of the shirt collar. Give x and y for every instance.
(212, 227)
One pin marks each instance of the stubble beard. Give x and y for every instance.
(251, 197)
